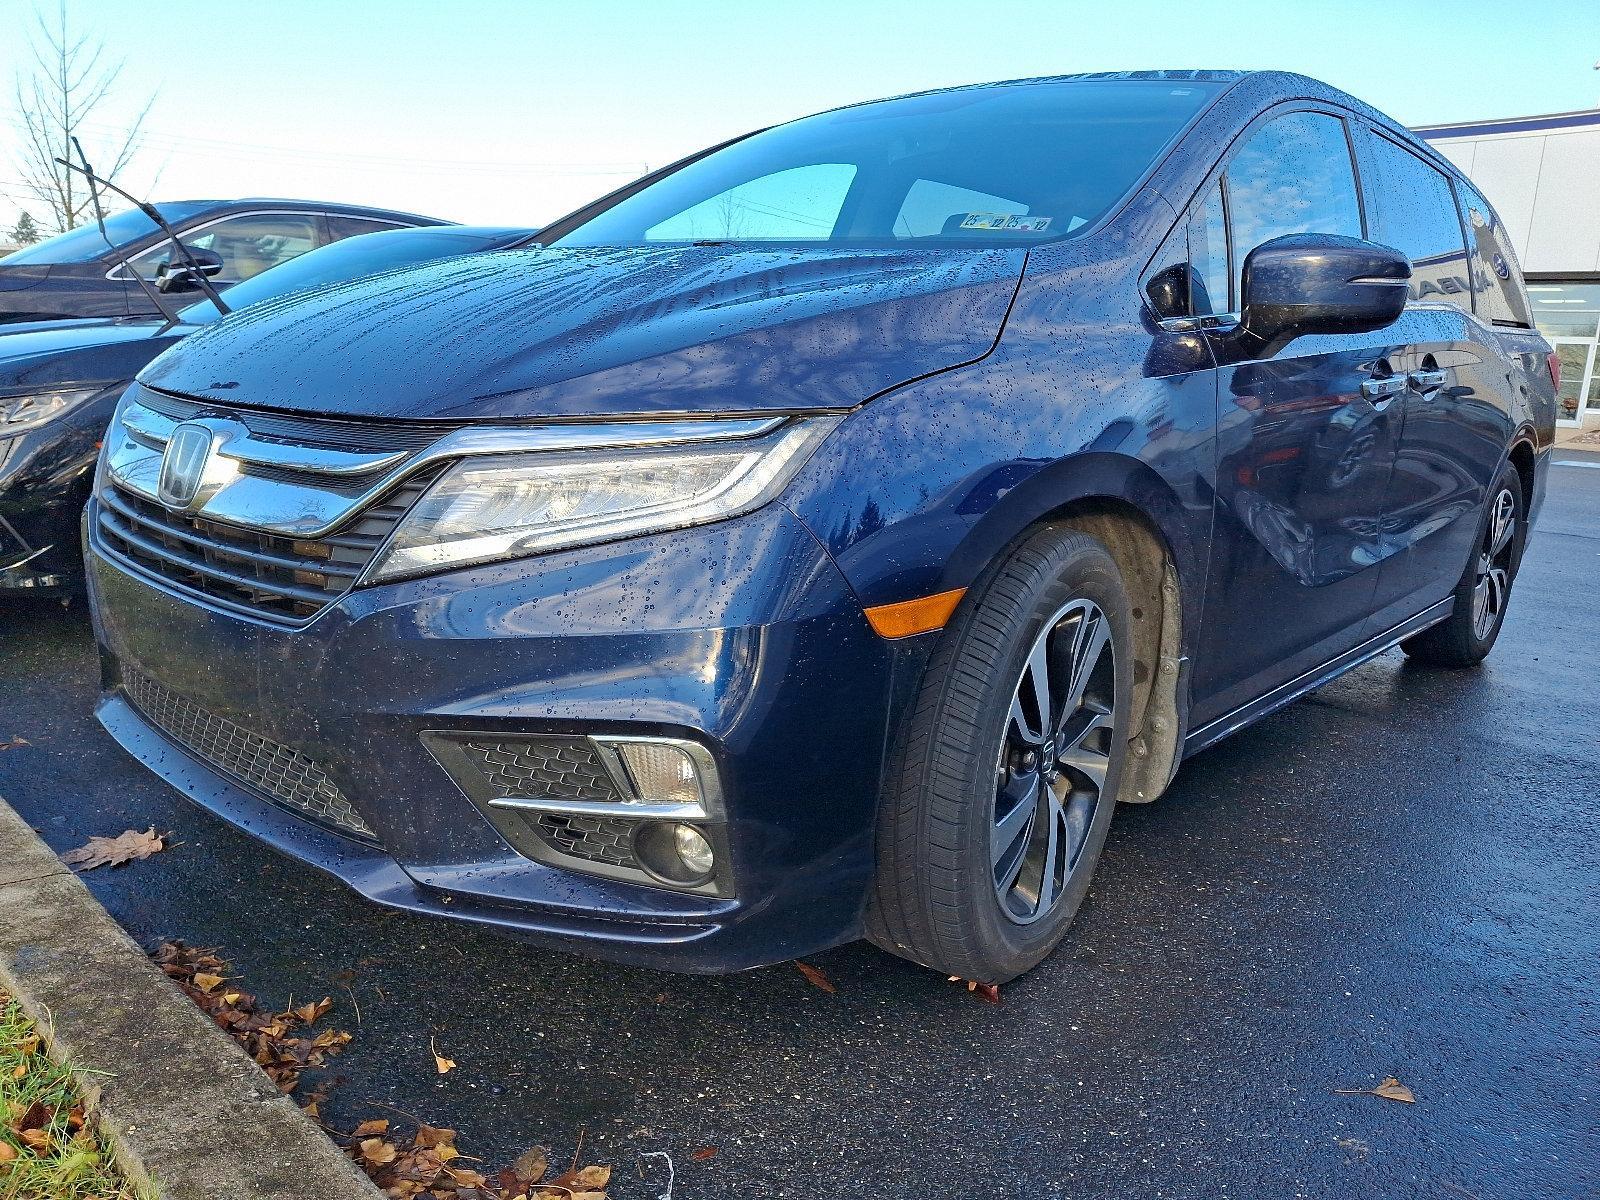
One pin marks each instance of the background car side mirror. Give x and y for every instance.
(1320, 283)
(179, 276)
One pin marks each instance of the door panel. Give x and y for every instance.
(1302, 481)
(1454, 437)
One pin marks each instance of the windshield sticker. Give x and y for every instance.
(1006, 221)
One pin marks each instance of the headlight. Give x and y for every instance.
(19, 413)
(512, 505)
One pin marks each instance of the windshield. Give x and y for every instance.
(84, 244)
(1009, 163)
(350, 259)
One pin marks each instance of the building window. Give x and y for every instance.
(1569, 315)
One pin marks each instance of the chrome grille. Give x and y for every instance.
(278, 773)
(264, 573)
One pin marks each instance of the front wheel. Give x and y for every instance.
(1467, 635)
(1008, 766)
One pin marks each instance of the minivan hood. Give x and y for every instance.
(606, 332)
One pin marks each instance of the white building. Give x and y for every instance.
(1542, 174)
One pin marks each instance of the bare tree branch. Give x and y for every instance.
(69, 83)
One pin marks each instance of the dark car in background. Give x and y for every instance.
(822, 537)
(60, 380)
(76, 274)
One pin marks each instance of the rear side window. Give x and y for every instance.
(1294, 175)
(1497, 286)
(341, 227)
(1412, 209)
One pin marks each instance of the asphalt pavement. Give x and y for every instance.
(1394, 876)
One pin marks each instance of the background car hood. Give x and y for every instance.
(50, 337)
(605, 332)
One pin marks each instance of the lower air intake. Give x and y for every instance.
(278, 773)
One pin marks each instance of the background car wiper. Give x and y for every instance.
(149, 210)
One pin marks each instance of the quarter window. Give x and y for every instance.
(1414, 211)
(1294, 175)
(1496, 277)
(1208, 255)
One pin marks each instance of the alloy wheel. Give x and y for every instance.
(1054, 757)
(1493, 582)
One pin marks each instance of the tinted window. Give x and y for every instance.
(248, 244)
(1413, 209)
(343, 227)
(1496, 277)
(1033, 162)
(348, 259)
(1293, 176)
(84, 244)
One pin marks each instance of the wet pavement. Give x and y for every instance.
(1395, 876)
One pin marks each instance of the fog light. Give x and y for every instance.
(693, 849)
(661, 773)
(675, 852)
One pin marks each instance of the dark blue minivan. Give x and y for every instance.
(820, 537)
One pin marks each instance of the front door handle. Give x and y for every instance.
(1427, 381)
(1383, 391)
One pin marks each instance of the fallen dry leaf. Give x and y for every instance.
(441, 1063)
(378, 1152)
(703, 1153)
(531, 1165)
(1390, 1089)
(115, 852)
(816, 977)
(370, 1129)
(7, 1152)
(37, 1140)
(13, 743)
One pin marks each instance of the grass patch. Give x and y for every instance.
(49, 1149)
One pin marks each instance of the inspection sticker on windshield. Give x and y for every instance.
(1007, 221)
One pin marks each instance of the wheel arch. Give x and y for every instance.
(1139, 518)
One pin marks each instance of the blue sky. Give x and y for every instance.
(517, 111)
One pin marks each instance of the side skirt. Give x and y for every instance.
(1214, 731)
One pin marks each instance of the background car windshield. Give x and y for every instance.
(84, 244)
(350, 259)
(1008, 163)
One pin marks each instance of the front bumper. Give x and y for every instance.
(740, 635)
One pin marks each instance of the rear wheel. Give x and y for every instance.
(1008, 767)
(1467, 635)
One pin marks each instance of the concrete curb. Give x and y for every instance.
(187, 1113)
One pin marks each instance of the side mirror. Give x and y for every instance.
(179, 276)
(1320, 283)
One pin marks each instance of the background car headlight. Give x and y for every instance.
(511, 505)
(29, 411)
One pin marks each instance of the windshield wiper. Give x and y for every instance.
(149, 210)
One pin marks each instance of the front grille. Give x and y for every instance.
(567, 769)
(278, 773)
(597, 839)
(266, 574)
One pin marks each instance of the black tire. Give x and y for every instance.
(961, 774)
(1466, 636)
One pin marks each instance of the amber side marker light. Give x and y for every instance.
(914, 616)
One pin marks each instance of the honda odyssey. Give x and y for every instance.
(822, 536)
